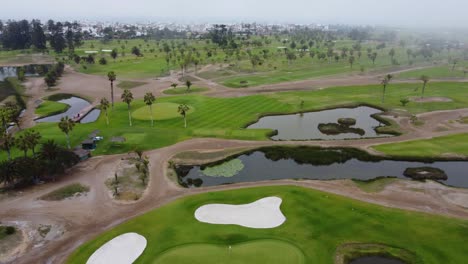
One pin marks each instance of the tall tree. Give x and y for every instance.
(425, 80)
(183, 109)
(385, 82)
(188, 83)
(127, 97)
(149, 100)
(392, 53)
(66, 125)
(33, 139)
(351, 61)
(114, 54)
(56, 38)
(7, 142)
(112, 77)
(105, 107)
(38, 38)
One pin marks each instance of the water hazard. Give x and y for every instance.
(305, 126)
(276, 163)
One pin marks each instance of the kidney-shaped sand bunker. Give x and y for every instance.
(263, 213)
(123, 249)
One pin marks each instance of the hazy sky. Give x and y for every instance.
(381, 12)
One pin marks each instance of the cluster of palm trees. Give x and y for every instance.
(50, 160)
(24, 142)
(386, 81)
(127, 97)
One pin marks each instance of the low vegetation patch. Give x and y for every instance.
(6, 231)
(336, 129)
(66, 192)
(129, 84)
(225, 169)
(347, 121)
(183, 90)
(374, 185)
(10, 238)
(425, 173)
(130, 179)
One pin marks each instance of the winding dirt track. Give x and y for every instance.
(87, 216)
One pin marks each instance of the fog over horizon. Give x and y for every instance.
(410, 13)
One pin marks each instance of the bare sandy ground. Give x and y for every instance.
(85, 217)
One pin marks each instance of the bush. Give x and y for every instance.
(425, 173)
(347, 121)
(102, 61)
(10, 230)
(404, 101)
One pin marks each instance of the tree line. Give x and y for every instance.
(24, 35)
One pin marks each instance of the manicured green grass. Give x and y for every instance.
(257, 251)
(183, 90)
(65, 192)
(129, 84)
(161, 111)
(317, 223)
(428, 148)
(444, 71)
(48, 108)
(227, 117)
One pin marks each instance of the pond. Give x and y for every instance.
(76, 105)
(305, 126)
(29, 70)
(376, 260)
(314, 163)
(91, 116)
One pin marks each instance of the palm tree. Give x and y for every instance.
(183, 109)
(104, 107)
(8, 172)
(127, 97)
(111, 75)
(425, 80)
(149, 100)
(7, 142)
(385, 82)
(23, 144)
(189, 84)
(66, 125)
(33, 138)
(351, 61)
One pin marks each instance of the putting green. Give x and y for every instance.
(161, 111)
(257, 251)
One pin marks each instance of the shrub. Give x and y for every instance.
(10, 230)
(347, 121)
(404, 101)
(102, 61)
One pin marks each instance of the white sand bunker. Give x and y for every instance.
(263, 213)
(124, 249)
